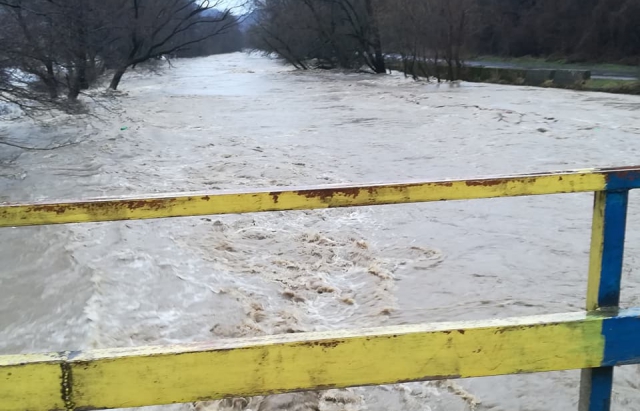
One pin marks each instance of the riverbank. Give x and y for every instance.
(579, 80)
(603, 77)
(610, 86)
(597, 69)
(570, 79)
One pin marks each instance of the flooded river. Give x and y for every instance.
(241, 121)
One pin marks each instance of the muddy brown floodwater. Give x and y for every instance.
(235, 121)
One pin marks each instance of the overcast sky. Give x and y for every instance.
(232, 3)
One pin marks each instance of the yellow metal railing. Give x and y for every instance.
(595, 340)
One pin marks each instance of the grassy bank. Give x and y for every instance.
(610, 86)
(535, 62)
(518, 77)
(551, 78)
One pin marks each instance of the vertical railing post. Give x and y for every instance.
(603, 291)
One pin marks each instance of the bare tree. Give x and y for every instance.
(27, 41)
(409, 34)
(151, 28)
(53, 47)
(454, 16)
(342, 33)
(278, 30)
(55, 41)
(362, 17)
(82, 35)
(303, 30)
(427, 34)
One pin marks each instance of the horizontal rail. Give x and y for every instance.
(184, 205)
(132, 377)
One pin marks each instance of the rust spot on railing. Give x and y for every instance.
(332, 192)
(150, 204)
(58, 209)
(323, 344)
(484, 183)
(102, 206)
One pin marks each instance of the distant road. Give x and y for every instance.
(595, 72)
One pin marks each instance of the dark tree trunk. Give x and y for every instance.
(378, 62)
(92, 69)
(50, 81)
(117, 77)
(450, 52)
(414, 66)
(83, 78)
(452, 75)
(74, 88)
(74, 82)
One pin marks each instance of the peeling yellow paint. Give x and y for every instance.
(296, 199)
(597, 247)
(132, 377)
(31, 382)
